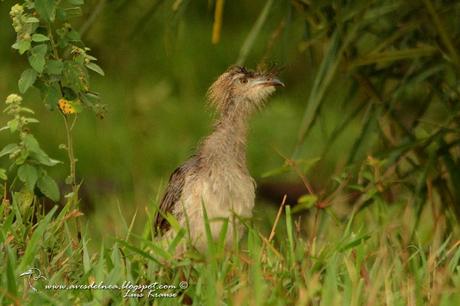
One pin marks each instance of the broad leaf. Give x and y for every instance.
(46, 9)
(26, 80)
(22, 46)
(31, 143)
(37, 57)
(28, 174)
(54, 67)
(48, 187)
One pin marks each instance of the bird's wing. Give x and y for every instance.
(173, 193)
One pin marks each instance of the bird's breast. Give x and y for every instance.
(222, 190)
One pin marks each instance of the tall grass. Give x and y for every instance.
(367, 258)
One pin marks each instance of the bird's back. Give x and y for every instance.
(174, 191)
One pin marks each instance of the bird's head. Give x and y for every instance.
(242, 90)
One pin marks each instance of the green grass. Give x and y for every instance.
(339, 257)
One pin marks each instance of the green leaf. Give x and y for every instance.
(54, 67)
(31, 143)
(73, 36)
(322, 82)
(46, 9)
(32, 20)
(305, 202)
(37, 153)
(172, 221)
(20, 158)
(69, 93)
(37, 62)
(10, 148)
(30, 120)
(354, 242)
(39, 37)
(35, 242)
(11, 278)
(44, 159)
(23, 199)
(51, 95)
(156, 249)
(29, 175)
(63, 14)
(22, 46)
(48, 187)
(76, 2)
(13, 125)
(277, 171)
(37, 57)
(95, 68)
(27, 110)
(173, 245)
(290, 232)
(76, 106)
(395, 55)
(3, 175)
(26, 80)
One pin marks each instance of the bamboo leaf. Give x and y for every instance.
(392, 56)
(251, 38)
(322, 81)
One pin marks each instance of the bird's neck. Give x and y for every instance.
(227, 143)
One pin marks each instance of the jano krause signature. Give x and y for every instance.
(128, 289)
(153, 290)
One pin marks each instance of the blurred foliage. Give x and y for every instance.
(400, 59)
(27, 158)
(59, 64)
(375, 79)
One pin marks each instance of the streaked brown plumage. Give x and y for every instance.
(216, 176)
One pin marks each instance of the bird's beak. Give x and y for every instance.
(269, 82)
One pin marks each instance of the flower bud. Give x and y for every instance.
(16, 10)
(13, 99)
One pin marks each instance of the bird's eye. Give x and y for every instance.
(243, 80)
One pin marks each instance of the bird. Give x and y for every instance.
(215, 180)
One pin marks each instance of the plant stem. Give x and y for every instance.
(71, 155)
(68, 128)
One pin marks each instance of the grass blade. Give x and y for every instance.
(34, 243)
(251, 38)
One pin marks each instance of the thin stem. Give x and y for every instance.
(53, 44)
(73, 200)
(70, 154)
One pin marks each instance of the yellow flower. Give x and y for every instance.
(66, 107)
